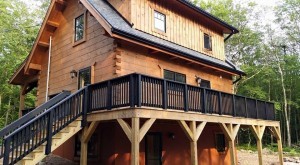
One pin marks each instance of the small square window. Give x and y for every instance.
(159, 21)
(205, 84)
(79, 28)
(207, 42)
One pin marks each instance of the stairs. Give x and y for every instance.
(32, 137)
(39, 153)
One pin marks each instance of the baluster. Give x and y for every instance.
(165, 95)
(109, 95)
(139, 90)
(131, 91)
(220, 103)
(204, 101)
(246, 107)
(186, 100)
(256, 108)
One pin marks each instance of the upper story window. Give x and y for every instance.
(79, 29)
(174, 76)
(205, 84)
(159, 21)
(207, 42)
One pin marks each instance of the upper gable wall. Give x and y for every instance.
(183, 26)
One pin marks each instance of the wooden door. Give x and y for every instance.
(153, 149)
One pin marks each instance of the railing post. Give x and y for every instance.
(6, 150)
(246, 108)
(165, 95)
(266, 112)
(49, 132)
(220, 103)
(131, 91)
(85, 107)
(109, 95)
(256, 108)
(139, 91)
(186, 99)
(233, 106)
(204, 101)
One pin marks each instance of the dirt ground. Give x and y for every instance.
(269, 158)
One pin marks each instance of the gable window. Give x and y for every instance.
(159, 21)
(79, 33)
(220, 142)
(207, 42)
(174, 76)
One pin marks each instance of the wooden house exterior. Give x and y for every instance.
(132, 82)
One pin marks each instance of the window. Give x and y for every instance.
(207, 42)
(174, 76)
(92, 152)
(159, 21)
(79, 28)
(205, 84)
(84, 77)
(220, 142)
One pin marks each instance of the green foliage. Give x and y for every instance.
(18, 30)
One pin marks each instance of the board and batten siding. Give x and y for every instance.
(182, 27)
(98, 51)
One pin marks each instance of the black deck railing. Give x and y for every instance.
(134, 90)
(141, 90)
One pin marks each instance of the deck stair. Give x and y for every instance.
(31, 138)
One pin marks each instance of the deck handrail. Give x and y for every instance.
(29, 116)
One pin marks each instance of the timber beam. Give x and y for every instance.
(35, 66)
(230, 130)
(135, 134)
(87, 133)
(174, 115)
(275, 131)
(258, 132)
(43, 44)
(193, 132)
(53, 24)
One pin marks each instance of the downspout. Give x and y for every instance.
(48, 72)
(229, 35)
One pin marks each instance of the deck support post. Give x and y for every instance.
(258, 132)
(135, 134)
(230, 130)
(193, 132)
(275, 131)
(87, 133)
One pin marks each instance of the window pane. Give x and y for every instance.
(169, 75)
(205, 84)
(84, 77)
(207, 42)
(180, 78)
(159, 21)
(79, 28)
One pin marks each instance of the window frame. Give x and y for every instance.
(82, 70)
(165, 21)
(207, 81)
(83, 39)
(209, 40)
(175, 73)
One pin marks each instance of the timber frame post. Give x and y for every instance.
(193, 132)
(87, 133)
(275, 131)
(258, 132)
(135, 134)
(230, 130)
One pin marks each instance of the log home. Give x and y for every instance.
(132, 82)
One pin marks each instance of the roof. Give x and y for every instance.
(208, 15)
(121, 27)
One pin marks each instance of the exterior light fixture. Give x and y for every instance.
(198, 80)
(73, 74)
(172, 136)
